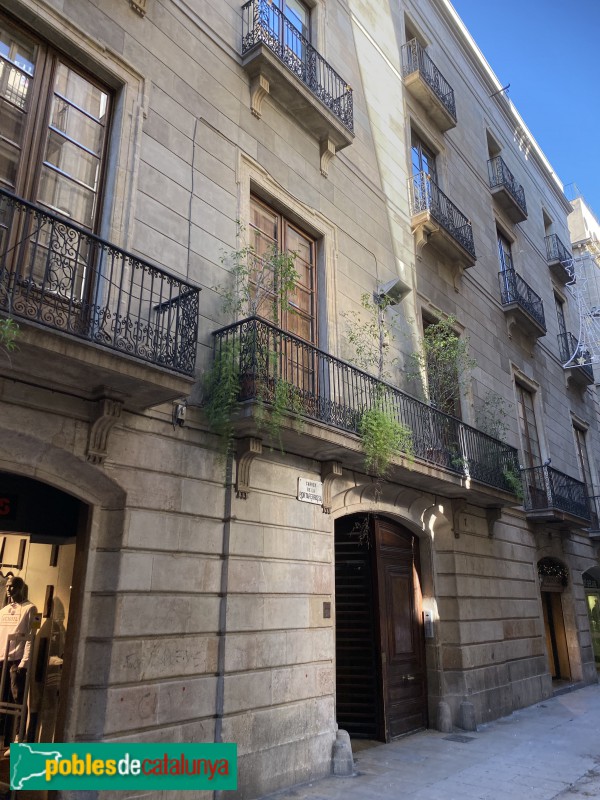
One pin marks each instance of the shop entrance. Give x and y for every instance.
(39, 528)
(591, 584)
(380, 648)
(553, 578)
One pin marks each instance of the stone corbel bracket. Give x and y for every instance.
(492, 516)
(330, 470)
(458, 506)
(248, 449)
(327, 148)
(108, 414)
(259, 89)
(139, 6)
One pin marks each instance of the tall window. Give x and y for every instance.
(584, 459)
(423, 158)
(296, 13)
(270, 230)
(504, 253)
(560, 315)
(529, 433)
(289, 20)
(53, 128)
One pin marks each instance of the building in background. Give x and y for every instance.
(269, 592)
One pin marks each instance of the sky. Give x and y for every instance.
(549, 52)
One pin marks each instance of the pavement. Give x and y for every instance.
(549, 751)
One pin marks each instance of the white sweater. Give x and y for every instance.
(16, 620)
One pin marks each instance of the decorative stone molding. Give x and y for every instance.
(140, 6)
(109, 413)
(259, 88)
(327, 153)
(458, 506)
(330, 470)
(248, 449)
(492, 515)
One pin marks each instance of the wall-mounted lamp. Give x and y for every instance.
(179, 412)
(395, 291)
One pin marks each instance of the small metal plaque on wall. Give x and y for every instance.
(310, 491)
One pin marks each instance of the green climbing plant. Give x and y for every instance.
(261, 284)
(9, 333)
(442, 364)
(512, 476)
(383, 438)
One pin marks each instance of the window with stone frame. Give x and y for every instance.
(530, 440)
(272, 231)
(53, 128)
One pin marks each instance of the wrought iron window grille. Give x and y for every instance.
(57, 274)
(416, 59)
(513, 289)
(500, 175)
(334, 392)
(264, 23)
(425, 195)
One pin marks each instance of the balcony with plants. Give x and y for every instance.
(91, 315)
(578, 368)
(508, 193)
(560, 259)
(282, 63)
(550, 496)
(436, 221)
(427, 84)
(268, 383)
(523, 308)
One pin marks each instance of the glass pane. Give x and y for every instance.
(298, 15)
(9, 161)
(77, 126)
(81, 92)
(73, 160)
(12, 123)
(67, 198)
(14, 84)
(17, 48)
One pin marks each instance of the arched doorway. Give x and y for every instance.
(41, 535)
(554, 578)
(381, 688)
(591, 584)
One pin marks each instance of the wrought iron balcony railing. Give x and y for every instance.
(264, 23)
(514, 289)
(324, 388)
(57, 274)
(500, 175)
(425, 195)
(568, 345)
(547, 489)
(594, 505)
(557, 251)
(415, 59)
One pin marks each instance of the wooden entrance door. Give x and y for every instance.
(380, 660)
(556, 638)
(402, 642)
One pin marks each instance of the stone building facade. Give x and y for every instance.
(206, 598)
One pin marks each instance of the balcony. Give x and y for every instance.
(93, 318)
(283, 64)
(427, 84)
(579, 373)
(551, 496)
(330, 396)
(437, 221)
(523, 307)
(560, 259)
(594, 506)
(509, 194)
